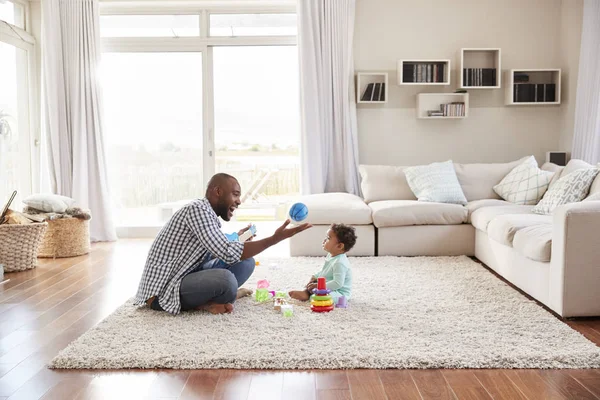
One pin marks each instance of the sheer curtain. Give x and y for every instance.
(586, 139)
(72, 113)
(328, 115)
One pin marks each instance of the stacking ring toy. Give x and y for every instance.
(321, 292)
(320, 298)
(325, 303)
(322, 309)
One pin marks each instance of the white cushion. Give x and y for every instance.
(525, 184)
(534, 242)
(411, 212)
(49, 202)
(329, 208)
(482, 217)
(475, 205)
(503, 228)
(384, 182)
(574, 165)
(478, 180)
(436, 183)
(595, 187)
(551, 167)
(571, 188)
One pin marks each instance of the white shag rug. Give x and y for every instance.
(424, 312)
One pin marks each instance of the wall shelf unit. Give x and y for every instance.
(533, 87)
(423, 72)
(371, 87)
(480, 68)
(458, 105)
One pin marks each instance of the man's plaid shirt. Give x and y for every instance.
(178, 249)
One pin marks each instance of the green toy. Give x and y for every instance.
(262, 295)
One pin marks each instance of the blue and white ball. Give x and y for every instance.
(298, 212)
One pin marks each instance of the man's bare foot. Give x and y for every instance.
(301, 295)
(243, 292)
(217, 308)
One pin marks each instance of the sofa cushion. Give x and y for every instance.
(475, 205)
(571, 188)
(482, 217)
(525, 183)
(551, 167)
(574, 165)
(435, 182)
(329, 208)
(534, 242)
(595, 188)
(478, 180)
(503, 228)
(384, 182)
(411, 212)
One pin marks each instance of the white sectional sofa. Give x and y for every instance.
(553, 258)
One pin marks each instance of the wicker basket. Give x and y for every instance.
(19, 245)
(66, 237)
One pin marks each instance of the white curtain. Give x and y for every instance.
(586, 139)
(72, 112)
(329, 130)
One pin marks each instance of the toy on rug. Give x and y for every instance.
(342, 302)
(278, 302)
(262, 294)
(298, 212)
(287, 310)
(321, 300)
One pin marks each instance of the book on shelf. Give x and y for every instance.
(376, 92)
(382, 92)
(479, 76)
(423, 72)
(534, 92)
(454, 109)
(367, 93)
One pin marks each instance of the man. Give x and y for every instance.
(192, 265)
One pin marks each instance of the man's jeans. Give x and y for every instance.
(213, 281)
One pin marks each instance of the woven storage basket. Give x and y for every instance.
(19, 245)
(66, 237)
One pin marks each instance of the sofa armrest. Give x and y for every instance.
(575, 263)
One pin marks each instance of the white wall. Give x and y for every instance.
(528, 33)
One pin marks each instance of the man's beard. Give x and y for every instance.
(223, 210)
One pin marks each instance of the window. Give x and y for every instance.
(15, 140)
(12, 13)
(253, 25)
(149, 25)
(257, 126)
(153, 116)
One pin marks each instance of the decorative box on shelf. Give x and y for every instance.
(423, 72)
(480, 68)
(371, 87)
(442, 105)
(533, 87)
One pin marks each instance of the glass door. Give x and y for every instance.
(153, 114)
(257, 126)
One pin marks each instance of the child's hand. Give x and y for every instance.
(311, 286)
(313, 279)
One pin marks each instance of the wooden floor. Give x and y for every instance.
(43, 310)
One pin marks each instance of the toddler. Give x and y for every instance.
(340, 239)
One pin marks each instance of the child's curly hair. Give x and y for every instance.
(345, 234)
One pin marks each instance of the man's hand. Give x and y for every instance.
(282, 233)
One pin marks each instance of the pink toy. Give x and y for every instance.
(262, 284)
